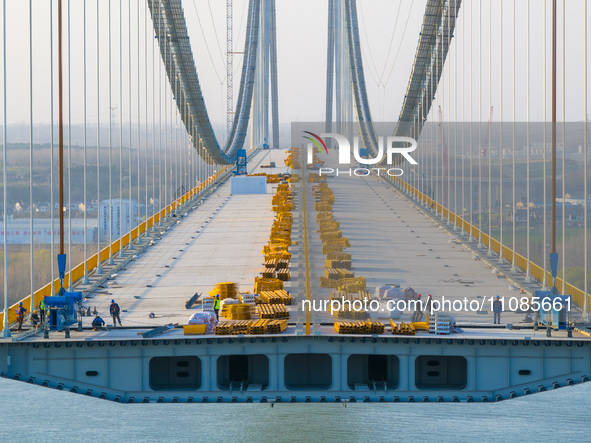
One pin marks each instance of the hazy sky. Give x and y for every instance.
(388, 51)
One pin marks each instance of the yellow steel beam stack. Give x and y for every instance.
(276, 326)
(402, 328)
(359, 327)
(244, 327)
(235, 311)
(258, 327)
(276, 252)
(293, 159)
(272, 311)
(225, 290)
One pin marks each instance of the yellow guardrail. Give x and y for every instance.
(91, 263)
(536, 271)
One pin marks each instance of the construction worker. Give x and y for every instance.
(98, 323)
(216, 306)
(42, 310)
(497, 309)
(418, 314)
(20, 315)
(114, 310)
(428, 304)
(34, 319)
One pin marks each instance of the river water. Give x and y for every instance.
(33, 413)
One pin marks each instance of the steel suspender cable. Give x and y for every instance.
(121, 130)
(447, 133)
(174, 127)
(513, 266)
(31, 211)
(145, 121)
(159, 124)
(110, 205)
(60, 123)
(153, 203)
(480, 125)
(5, 329)
(69, 152)
(527, 147)
(99, 269)
(488, 132)
(166, 56)
(129, 183)
(84, 199)
(501, 207)
(438, 171)
(545, 235)
(585, 167)
(456, 121)
(139, 140)
(463, 117)
(51, 198)
(563, 151)
(471, 190)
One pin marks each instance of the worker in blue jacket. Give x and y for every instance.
(114, 310)
(497, 309)
(98, 323)
(20, 315)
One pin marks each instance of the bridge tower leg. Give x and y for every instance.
(266, 89)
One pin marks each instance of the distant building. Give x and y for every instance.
(18, 231)
(121, 222)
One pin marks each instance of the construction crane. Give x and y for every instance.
(445, 165)
(484, 152)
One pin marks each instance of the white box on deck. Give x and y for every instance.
(248, 185)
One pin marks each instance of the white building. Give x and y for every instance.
(121, 222)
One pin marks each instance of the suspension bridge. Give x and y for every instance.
(152, 213)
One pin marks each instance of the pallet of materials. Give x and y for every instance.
(338, 256)
(352, 314)
(402, 328)
(276, 326)
(258, 327)
(225, 290)
(359, 327)
(328, 282)
(246, 298)
(224, 328)
(272, 311)
(283, 274)
(351, 284)
(324, 216)
(268, 273)
(267, 284)
(207, 304)
(330, 235)
(236, 311)
(337, 264)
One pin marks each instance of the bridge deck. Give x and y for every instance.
(392, 242)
